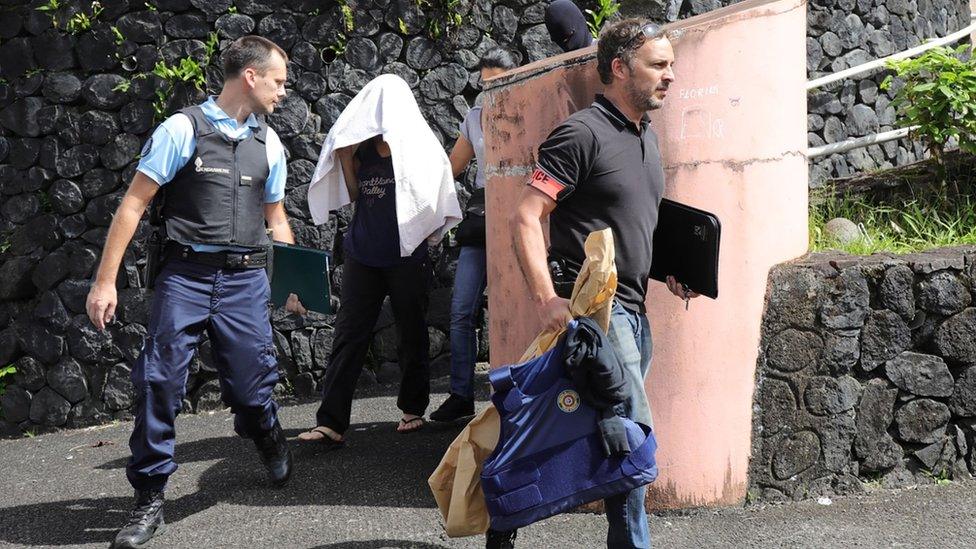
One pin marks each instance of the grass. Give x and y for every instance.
(872, 481)
(904, 221)
(940, 478)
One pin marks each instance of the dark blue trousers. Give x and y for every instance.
(231, 306)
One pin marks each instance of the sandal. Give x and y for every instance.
(403, 427)
(320, 435)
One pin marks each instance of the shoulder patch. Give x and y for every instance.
(147, 147)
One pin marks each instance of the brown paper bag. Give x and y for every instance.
(456, 483)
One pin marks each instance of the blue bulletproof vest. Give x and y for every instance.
(549, 456)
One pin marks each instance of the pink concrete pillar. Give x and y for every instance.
(733, 136)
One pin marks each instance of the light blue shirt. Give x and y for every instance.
(471, 130)
(173, 143)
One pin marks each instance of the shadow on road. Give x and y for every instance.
(380, 544)
(378, 467)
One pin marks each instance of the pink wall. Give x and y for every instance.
(733, 134)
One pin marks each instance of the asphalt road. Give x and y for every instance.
(68, 489)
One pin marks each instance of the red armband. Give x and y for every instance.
(546, 183)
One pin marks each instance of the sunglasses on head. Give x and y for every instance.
(649, 31)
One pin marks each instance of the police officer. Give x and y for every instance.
(602, 168)
(220, 173)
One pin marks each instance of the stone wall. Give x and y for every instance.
(847, 33)
(75, 108)
(866, 374)
(843, 34)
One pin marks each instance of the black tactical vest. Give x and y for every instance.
(218, 196)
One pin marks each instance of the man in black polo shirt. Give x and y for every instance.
(602, 168)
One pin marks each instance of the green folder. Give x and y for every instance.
(301, 271)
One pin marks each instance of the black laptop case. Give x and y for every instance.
(686, 243)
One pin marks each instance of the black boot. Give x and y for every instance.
(500, 539)
(145, 521)
(454, 408)
(274, 452)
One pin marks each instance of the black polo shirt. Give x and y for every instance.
(604, 172)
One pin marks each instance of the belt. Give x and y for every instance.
(221, 260)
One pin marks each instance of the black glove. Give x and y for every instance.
(614, 435)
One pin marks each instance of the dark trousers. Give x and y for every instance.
(363, 291)
(231, 306)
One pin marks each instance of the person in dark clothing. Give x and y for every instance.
(222, 172)
(470, 277)
(567, 26)
(602, 168)
(373, 269)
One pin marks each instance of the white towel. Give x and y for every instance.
(426, 201)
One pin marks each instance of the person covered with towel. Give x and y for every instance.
(382, 156)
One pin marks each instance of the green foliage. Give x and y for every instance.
(605, 9)
(119, 37)
(752, 496)
(939, 96)
(403, 26)
(123, 86)
(339, 47)
(872, 481)
(443, 18)
(212, 43)
(940, 477)
(51, 6)
(901, 224)
(6, 371)
(150, 6)
(81, 21)
(187, 71)
(159, 104)
(347, 18)
(232, 9)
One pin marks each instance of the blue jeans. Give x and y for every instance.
(469, 287)
(630, 335)
(231, 306)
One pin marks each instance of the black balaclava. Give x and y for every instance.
(567, 26)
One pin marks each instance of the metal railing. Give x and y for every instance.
(882, 137)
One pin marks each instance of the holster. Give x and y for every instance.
(156, 243)
(269, 266)
(563, 275)
(156, 255)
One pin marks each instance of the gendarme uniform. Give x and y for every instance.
(217, 177)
